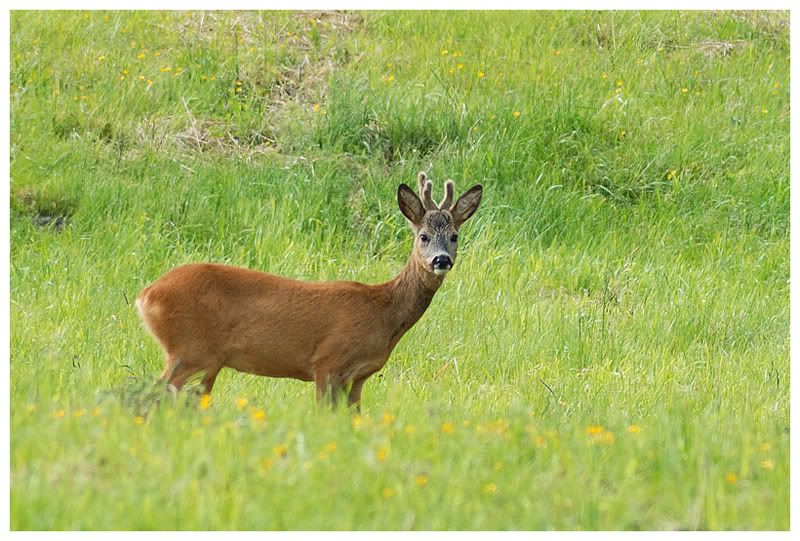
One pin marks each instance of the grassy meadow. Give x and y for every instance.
(611, 350)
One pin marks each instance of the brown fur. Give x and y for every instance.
(337, 334)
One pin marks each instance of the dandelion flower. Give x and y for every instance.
(381, 454)
(516, 114)
(315, 107)
(330, 447)
(205, 401)
(140, 56)
(138, 420)
(281, 451)
(410, 429)
(481, 74)
(731, 478)
(59, 414)
(421, 479)
(594, 429)
(258, 415)
(490, 488)
(387, 493)
(448, 428)
(241, 403)
(634, 429)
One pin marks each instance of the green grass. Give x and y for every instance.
(610, 352)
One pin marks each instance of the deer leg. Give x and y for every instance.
(178, 371)
(354, 397)
(209, 378)
(328, 388)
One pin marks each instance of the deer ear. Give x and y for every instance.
(466, 205)
(410, 205)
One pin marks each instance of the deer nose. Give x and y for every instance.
(442, 262)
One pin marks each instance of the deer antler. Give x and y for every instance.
(449, 188)
(425, 189)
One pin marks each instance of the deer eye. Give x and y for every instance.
(424, 238)
(454, 238)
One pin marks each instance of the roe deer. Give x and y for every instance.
(337, 334)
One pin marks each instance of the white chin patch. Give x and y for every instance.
(440, 272)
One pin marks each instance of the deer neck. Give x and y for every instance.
(411, 293)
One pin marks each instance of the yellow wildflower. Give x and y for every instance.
(443, 52)
(315, 107)
(448, 428)
(481, 74)
(410, 429)
(387, 493)
(258, 415)
(59, 414)
(594, 429)
(421, 479)
(241, 403)
(387, 418)
(140, 56)
(731, 478)
(516, 114)
(381, 454)
(281, 451)
(768, 464)
(490, 488)
(330, 447)
(80, 413)
(205, 401)
(634, 429)
(138, 420)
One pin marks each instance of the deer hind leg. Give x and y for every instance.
(179, 370)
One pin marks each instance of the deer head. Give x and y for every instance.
(436, 226)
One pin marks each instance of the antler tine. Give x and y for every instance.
(449, 189)
(425, 189)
